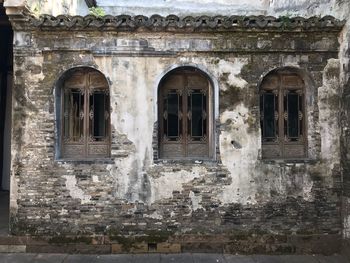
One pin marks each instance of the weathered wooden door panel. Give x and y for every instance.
(184, 116)
(86, 117)
(282, 112)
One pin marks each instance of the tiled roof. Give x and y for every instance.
(189, 23)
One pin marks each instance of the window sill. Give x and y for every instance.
(188, 162)
(289, 161)
(86, 161)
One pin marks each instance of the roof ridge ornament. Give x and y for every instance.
(189, 23)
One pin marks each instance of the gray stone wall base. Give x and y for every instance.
(278, 245)
(345, 251)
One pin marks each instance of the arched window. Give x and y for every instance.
(185, 115)
(283, 118)
(85, 116)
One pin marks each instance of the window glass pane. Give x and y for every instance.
(98, 115)
(172, 107)
(293, 115)
(204, 115)
(197, 114)
(66, 111)
(73, 115)
(269, 127)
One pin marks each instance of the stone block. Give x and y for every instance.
(117, 249)
(139, 248)
(202, 247)
(4, 248)
(165, 247)
(13, 240)
(22, 39)
(17, 248)
(12, 248)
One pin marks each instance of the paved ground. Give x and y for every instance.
(165, 258)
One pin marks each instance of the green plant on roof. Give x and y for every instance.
(97, 11)
(285, 20)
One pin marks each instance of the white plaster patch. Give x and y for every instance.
(95, 179)
(307, 190)
(237, 131)
(154, 215)
(330, 132)
(121, 174)
(13, 189)
(291, 61)
(196, 201)
(63, 212)
(47, 216)
(239, 161)
(74, 190)
(240, 191)
(230, 67)
(127, 117)
(347, 226)
(233, 69)
(164, 186)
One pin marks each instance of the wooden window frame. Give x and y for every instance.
(282, 146)
(88, 82)
(185, 148)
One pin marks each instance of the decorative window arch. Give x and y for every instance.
(84, 114)
(282, 115)
(185, 114)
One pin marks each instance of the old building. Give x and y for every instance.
(178, 125)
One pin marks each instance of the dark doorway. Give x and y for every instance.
(6, 73)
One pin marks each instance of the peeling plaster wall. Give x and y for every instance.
(237, 193)
(131, 191)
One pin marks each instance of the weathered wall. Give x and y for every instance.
(345, 124)
(239, 197)
(251, 204)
